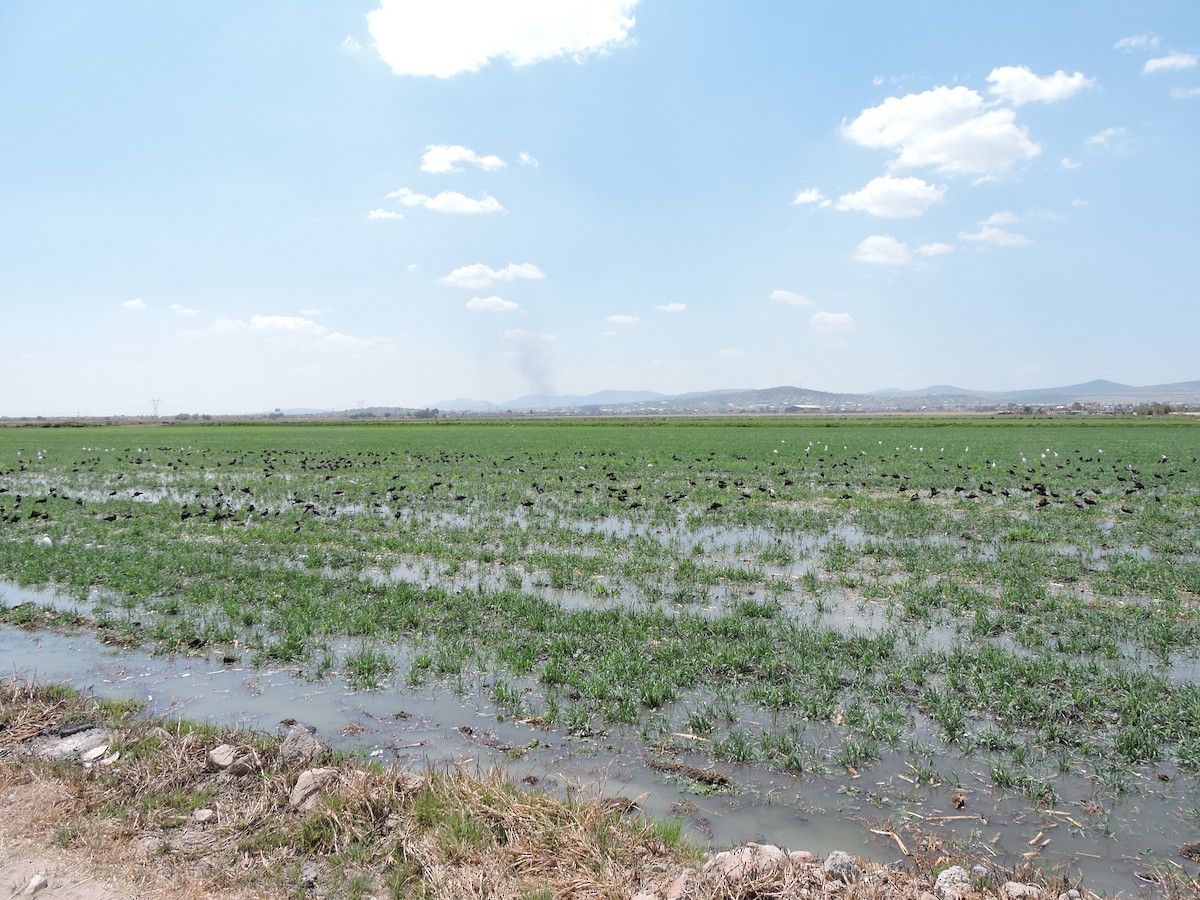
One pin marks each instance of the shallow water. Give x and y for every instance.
(1105, 838)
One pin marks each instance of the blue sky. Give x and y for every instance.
(238, 206)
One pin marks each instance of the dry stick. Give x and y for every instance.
(895, 837)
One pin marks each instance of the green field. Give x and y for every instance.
(808, 596)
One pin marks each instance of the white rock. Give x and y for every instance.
(36, 883)
(223, 756)
(43, 540)
(200, 816)
(94, 754)
(952, 882)
(1014, 890)
(842, 864)
(308, 784)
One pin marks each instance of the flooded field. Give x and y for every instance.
(976, 637)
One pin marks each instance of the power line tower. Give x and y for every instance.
(154, 401)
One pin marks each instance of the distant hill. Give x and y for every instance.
(943, 397)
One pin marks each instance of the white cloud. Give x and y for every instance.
(893, 198)
(883, 250)
(181, 310)
(445, 158)
(1104, 138)
(935, 248)
(828, 322)
(1067, 163)
(620, 319)
(350, 45)
(810, 195)
(447, 202)
(383, 215)
(292, 329)
(671, 307)
(135, 303)
(520, 335)
(478, 275)
(528, 159)
(989, 234)
(1004, 217)
(951, 130)
(1018, 85)
(1171, 62)
(445, 38)
(491, 304)
(790, 298)
(1185, 93)
(1137, 42)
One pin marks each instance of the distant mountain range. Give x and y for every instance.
(1099, 393)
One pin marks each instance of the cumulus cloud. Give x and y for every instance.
(1170, 63)
(951, 130)
(792, 299)
(893, 198)
(621, 319)
(829, 322)
(445, 158)
(810, 195)
(989, 234)
(883, 250)
(384, 215)
(447, 202)
(451, 36)
(181, 310)
(491, 304)
(135, 303)
(1137, 42)
(478, 275)
(936, 248)
(521, 335)
(671, 307)
(1018, 85)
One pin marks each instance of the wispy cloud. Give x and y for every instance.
(989, 234)
(830, 322)
(790, 298)
(671, 307)
(445, 159)
(621, 319)
(1170, 63)
(491, 304)
(135, 303)
(936, 248)
(521, 335)
(528, 159)
(1137, 42)
(384, 215)
(447, 202)
(1105, 138)
(181, 310)
(1185, 93)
